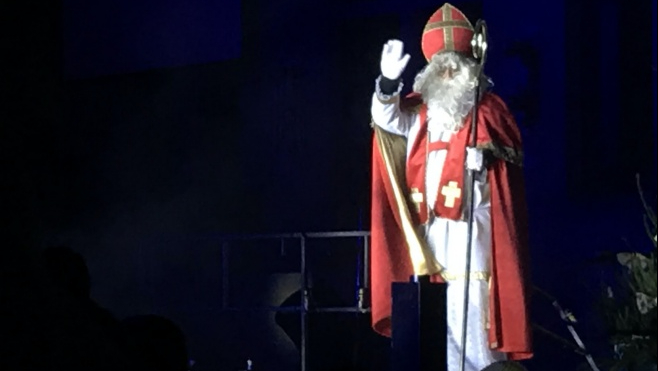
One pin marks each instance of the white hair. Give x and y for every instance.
(449, 100)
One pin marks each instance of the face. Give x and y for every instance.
(448, 70)
(446, 85)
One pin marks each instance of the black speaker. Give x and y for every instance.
(419, 326)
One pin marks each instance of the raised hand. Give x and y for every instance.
(393, 62)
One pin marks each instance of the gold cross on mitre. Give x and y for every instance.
(452, 192)
(417, 198)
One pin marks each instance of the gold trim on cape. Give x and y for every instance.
(393, 151)
(509, 154)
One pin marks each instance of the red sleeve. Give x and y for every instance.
(510, 330)
(390, 260)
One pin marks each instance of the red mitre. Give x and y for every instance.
(448, 29)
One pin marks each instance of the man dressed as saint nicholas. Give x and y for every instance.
(422, 153)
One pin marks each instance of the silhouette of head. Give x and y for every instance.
(156, 343)
(67, 271)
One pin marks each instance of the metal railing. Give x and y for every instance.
(303, 308)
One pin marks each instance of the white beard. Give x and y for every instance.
(448, 100)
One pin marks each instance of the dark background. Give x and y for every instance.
(141, 132)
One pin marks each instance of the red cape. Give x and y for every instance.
(509, 330)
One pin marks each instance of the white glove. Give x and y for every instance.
(393, 63)
(474, 159)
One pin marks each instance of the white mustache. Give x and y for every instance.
(449, 99)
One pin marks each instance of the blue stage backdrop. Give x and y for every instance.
(108, 37)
